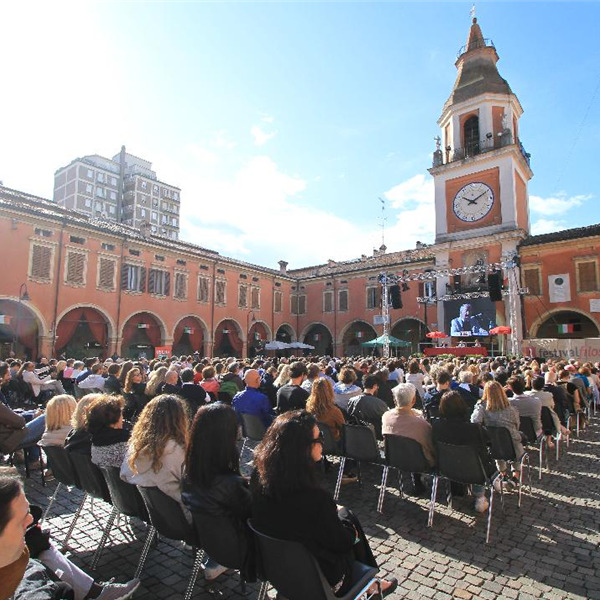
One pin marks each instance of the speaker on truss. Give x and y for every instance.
(495, 286)
(395, 297)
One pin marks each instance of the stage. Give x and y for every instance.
(467, 351)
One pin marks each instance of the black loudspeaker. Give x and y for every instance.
(457, 284)
(495, 286)
(395, 296)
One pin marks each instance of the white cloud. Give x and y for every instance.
(414, 192)
(558, 204)
(261, 137)
(202, 155)
(221, 140)
(546, 226)
(267, 119)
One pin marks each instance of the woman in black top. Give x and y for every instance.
(134, 394)
(288, 503)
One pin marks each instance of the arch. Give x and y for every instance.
(266, 330)
(228, 338)
(82, 327)
(588, 327)
(138, 340)
(471, 135)
(190, 335)
(258, 335)
(22, 336)
(353, 334)
(285, 333)
(317, 334)
(410, 329)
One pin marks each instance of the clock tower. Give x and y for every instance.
(480, 167)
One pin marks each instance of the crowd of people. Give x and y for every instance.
(174, 423)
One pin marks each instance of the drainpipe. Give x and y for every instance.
(57, 286)
(119, 296)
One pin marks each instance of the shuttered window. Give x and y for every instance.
(343, 300)
(106, 274)
(220, 291)
(159, 282)
(243, 296)
(301, 305)
(533, 281)
(373, 297)
(294, 305)
(255, 299)
(587, 276)
(203, 286)
(327, 301)
(180, 286)
(133, 278)
(75, 268)
(277, 301)
(41, 257)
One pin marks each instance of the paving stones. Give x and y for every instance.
(547, 549)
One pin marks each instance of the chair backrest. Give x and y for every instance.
(547, 421)
(330, 446)
(252, 427)
(221, 539)
(59, 461)
(291, 569)
(125, 496)
(502, 443)
(528, 430)
(90, 477)
(360, 443)
(405, 454)
(166, 515)
(460, 463)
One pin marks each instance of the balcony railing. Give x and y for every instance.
(484, 43)
(480, 147)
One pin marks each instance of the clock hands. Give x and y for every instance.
(474, 200)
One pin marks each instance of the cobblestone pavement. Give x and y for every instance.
(546, 549)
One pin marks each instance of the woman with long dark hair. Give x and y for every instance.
(213, 484)
(288, 503)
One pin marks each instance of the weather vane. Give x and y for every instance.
(383, 220)
(472, 11)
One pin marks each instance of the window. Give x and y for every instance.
(220, 291)
(112, 210)
(182, 262)
(174, 222)
(143, 213)
(159, 282)
(328, 301)
(41, 259)
(106, 274)
(88, 203)
(343, 300)
(155, 189)
(471, 136)
(133, 278)
(106, 246)
(587, 276)
(76, 240)
(243, 296)
(43, 232)
(532, 279)
(75, 268)
(159, 257)
(277, 301)
(90, 174)
(100, 192)
(163, 219)
(100, 177)
(203, 286)
(180, 286)
(255, 299)
(154, 216)
(113, 181)
(113, 195)
(373, 297)
(89, 188)
(144, 185)
(298, 305)
(134, 252)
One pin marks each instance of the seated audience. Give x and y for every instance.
(79, 439)
(346, 388)
(209, 382)
(95, 380)
(253, 402)
(321, 405)
(134, 393)
(526, 405)
(112, 384)
(292, 396)
(59, 412)
(104, 422)
(367, 406)
(193, 395)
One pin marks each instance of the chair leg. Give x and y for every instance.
(72, 526)
(432, 503)
(401, 484)
(338, 483)
(52, 499)
(382, 490)
(109, 524)
(359, 474)
(541, 452)
(150, 536)
(489, 523)
(195, 570)
(243, 447)
(262, 592)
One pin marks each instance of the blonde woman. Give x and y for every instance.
(283, 376)
(156, 378)
(322, 406)
(59, 412)
(156, 449)
(495, 410)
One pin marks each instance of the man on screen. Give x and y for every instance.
(465, 324)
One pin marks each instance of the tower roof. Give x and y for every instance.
(477, 71)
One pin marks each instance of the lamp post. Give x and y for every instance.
(23, 296)
(248, 326)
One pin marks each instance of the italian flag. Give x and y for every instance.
(564, 328)
(5, 319)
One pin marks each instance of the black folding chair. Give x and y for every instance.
(359, 444)
(253, 430)
(404, 454)
(550, 429)
(462, 464)
(294, 572)
(168, 520)
(504, 449)
(127, 500)
(532, 439)
(58, 459)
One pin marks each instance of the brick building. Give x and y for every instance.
(77, 284)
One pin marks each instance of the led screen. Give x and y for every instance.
(466, 318)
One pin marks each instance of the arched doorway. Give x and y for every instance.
(412, 331)
(188, 336)
(142, 333)
(320, 337)
(20, 330)
(82, 331)
(258, 336)
(285, 333)
(228, 339)
(356, 334)
(567, 324)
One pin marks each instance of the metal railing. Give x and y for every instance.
(484, 43)
(480, 147)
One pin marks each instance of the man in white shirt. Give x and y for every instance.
(95, 380)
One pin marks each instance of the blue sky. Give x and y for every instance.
(284, 122)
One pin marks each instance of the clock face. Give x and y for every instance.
(473, 201)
